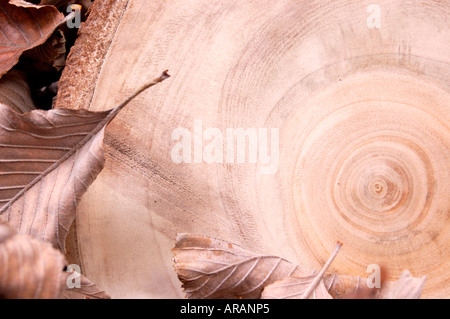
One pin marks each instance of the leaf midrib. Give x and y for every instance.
(102, 124)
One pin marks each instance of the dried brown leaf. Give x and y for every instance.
(295, 287)
(47, 161)
(56, 3)
(88, 290)
(65, 3)
(50, 54)
(304, 287)
(344, 287)
(25, 4)
(212, 268)
(24, 26)
(337, 286)
(216, 269)
(15, 92)
(29, 268)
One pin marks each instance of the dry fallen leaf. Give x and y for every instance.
(29, 268)
(88, 290)
(295, 287)
(212, 268)
(65, 3)
(24, 26)
(15, 92)
(56, 3)
(304, 287)
(216, 269)
(50, 54)
(47, 161)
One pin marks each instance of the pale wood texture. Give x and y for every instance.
(364, 135)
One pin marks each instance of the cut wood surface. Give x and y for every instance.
(364, 136)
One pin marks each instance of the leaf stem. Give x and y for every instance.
(159, 79)
(319, 277)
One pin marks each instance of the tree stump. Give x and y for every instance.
(360, 95)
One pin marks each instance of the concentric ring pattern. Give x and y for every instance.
(364, 153)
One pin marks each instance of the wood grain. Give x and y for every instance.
(364, 128)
